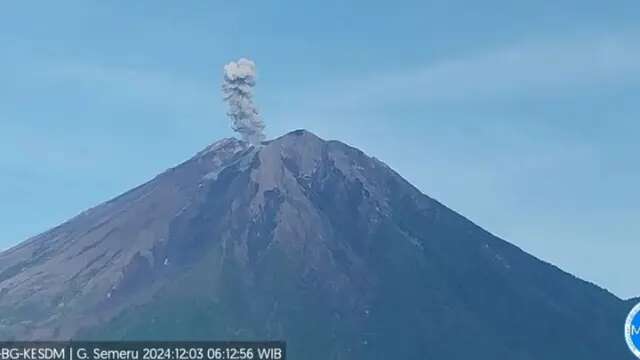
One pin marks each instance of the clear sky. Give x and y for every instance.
(523, 116)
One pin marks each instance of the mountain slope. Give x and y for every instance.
(306, 240)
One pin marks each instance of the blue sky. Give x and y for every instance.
(524, 117)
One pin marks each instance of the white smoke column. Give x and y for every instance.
(239, 80)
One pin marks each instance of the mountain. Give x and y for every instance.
(306, 240)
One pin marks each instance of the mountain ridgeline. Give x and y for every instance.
(308, 241)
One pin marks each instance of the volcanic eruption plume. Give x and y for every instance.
(237, 87)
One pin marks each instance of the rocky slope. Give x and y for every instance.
(306, 240)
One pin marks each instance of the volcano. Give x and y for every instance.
(303, 240)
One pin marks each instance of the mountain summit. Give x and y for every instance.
(305, 240)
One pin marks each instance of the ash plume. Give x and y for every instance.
(237, 87)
